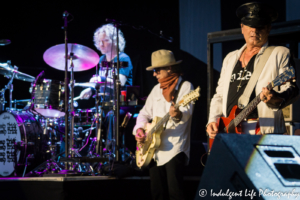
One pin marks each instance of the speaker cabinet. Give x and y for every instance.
(252, 167)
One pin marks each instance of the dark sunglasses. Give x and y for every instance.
(157, 70)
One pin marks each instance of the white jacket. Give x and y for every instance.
(270, 119)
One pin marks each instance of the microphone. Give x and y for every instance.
(170, 39)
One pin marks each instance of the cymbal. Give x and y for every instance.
(8, 70)
(4, 42)
(84, 58)
(89, 84)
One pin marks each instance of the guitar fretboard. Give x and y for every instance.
(246, 111)
(161, 121)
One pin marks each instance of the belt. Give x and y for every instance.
(251, 119)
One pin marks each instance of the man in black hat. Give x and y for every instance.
(239, 66)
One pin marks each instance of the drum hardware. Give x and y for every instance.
(48, 98)
(111, 65)
(9, 71)
(49, 166)
(5, 70)
(122, 127)
(22, 102)
(77, 58)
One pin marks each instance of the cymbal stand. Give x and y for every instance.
(71, 142)
(65, 16)
(99, 146)
(117, 85)
(10, 87)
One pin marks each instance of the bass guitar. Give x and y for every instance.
(145, 151)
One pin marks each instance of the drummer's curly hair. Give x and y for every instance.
(110, 31)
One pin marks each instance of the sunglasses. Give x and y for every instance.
(157, 70)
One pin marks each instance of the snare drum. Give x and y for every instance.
(21, 131)
(49, 98)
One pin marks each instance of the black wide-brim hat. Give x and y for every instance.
(256, 14)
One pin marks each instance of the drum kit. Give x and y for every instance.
(35, 135)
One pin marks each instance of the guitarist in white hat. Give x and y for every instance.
(166, 171)
(258, 61)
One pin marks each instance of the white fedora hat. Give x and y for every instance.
(162, 58)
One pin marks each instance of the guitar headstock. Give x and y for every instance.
(193, 95)
(284, 77)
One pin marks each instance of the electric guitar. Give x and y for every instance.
(145, 151)
(232, 123)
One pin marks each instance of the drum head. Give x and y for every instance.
(50, 112)
(9, 133)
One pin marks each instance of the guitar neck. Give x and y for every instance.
(249, 108)
(161, 121)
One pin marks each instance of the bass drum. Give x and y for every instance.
(20, 136)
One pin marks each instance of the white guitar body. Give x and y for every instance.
(143, 155)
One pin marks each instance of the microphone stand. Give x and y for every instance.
(117, 80)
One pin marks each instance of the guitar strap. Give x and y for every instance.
(244, 98)
(176, 92)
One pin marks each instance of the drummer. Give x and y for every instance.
(105, 40)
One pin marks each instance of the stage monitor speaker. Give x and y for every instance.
(252, 167)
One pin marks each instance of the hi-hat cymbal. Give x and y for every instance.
(8, 71)
(84, 58)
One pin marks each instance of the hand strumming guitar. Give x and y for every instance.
(212, 130)
(140, 135)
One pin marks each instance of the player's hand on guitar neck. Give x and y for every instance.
(140, 136)
(176, 114)
(212, 130)
(270, 97)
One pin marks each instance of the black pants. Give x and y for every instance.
(167, 180)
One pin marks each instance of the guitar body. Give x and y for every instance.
(223, 123)
(144, 152)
